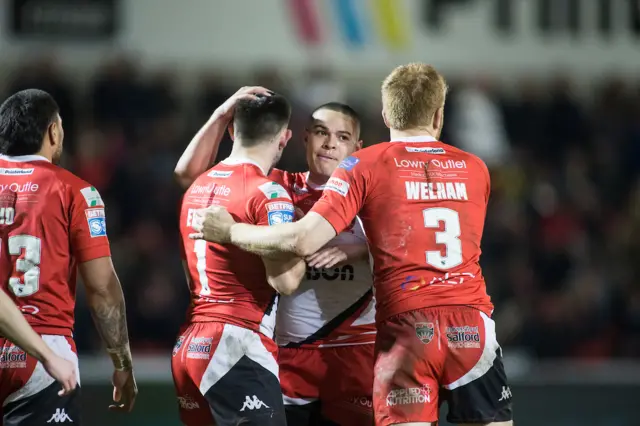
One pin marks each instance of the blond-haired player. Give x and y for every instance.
(422, 204)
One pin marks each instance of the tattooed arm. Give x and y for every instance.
(106, 302)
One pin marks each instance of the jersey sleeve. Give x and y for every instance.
(344, 193)
(88, 225)
(272, 205)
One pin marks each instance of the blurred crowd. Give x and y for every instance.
(561, 248)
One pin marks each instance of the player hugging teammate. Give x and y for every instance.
(435, 338)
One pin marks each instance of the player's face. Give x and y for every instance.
(57, 138)
(331, 137)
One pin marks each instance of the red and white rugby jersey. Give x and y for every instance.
(227, 284)
(332, 307)
(63, 225)
(422, 204)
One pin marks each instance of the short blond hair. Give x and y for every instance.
(411, 94)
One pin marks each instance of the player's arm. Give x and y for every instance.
(285, 273)
(201, 152)
(342, 199)
(15, 327)
(107, 306)
(105, 299)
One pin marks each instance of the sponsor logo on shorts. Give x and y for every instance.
(408, 396)
(362, 401)
(199, 348)
(178, 345)
(463, 337)
(426, 150)
(97, 222)
(506, 394)
(13, 357)
(338, 185)
(92, 196)
(349, 163)
(424, 331)
(187, 403)
(220, 174)
(15, 171)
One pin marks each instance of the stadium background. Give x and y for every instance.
(547, 92)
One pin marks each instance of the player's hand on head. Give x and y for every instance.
(212, 224)
(327, 257)
(125, 390)
(246, 92)
(63, 371)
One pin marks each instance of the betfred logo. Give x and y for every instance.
(279, 206)
(13, 357)
(20, 187)
(463, 337)
(337, 185)
(199, 348)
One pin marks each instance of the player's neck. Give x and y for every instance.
(257, 155)
(317, 179)
(45, 154)
(418, 131)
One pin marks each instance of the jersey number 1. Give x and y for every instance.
(29, 265)
(449, 237)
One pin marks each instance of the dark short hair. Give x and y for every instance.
(342, 109)
(24, 119)
(257, 120)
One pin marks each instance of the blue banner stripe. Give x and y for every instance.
(349, 21)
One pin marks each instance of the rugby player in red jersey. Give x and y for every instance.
(423, 205)
(326, 329)
(15, 327)
(224, 362)
(62, 229)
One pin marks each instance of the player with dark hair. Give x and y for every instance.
(422, 204)
(62, 229)
(225, 360)
(326, 329)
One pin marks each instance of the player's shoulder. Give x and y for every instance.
(76, 184)
(462, 155)
(265, 188)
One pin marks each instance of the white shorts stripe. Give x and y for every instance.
(40, 379)
(487, 357)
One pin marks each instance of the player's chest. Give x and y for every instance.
(304, 198)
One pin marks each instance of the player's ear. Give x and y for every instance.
(52, 132)
(384, 118)
(286, 135)
(438, 120)
(359, 145)
(230, 129)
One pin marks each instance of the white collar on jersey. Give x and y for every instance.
(242, 160)
(425, 138)
(24, 158)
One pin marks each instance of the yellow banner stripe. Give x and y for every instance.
(390, 23)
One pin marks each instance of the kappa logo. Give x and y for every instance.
(506, 394)
(424, 331)
(60, 417)
(253, 403)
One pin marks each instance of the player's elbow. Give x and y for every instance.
(182, 176)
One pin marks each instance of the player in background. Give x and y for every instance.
(224, 362)
(15, 327)
(423, 205)
(62, 229)
(326, 329)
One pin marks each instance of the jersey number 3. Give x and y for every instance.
(449, 237)
(29, 265)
